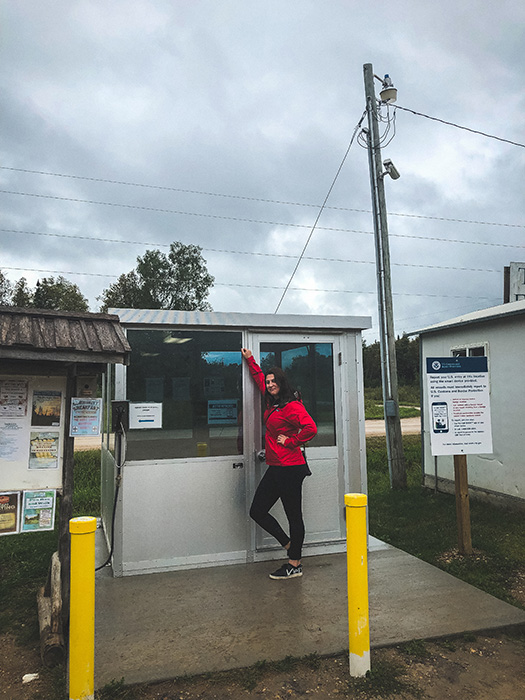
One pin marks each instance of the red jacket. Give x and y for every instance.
(292, 420)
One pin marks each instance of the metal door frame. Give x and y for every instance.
(253, 421)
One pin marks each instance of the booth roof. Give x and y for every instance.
(297, 322)
(61, 336)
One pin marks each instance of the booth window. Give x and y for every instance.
(197, 377)
(310, 369)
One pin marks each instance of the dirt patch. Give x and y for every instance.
(16, 661)
(478, 667)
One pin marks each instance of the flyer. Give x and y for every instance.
(46, 408)
(9, 512)
(13, 398)
(86, 417)
(38, 511)
(43, 450)
(13, 441)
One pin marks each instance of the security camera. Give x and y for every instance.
(391, 169)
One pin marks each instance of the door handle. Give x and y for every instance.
(238, 465)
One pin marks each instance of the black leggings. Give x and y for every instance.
(285, 483)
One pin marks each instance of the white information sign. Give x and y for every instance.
(145, 415)
(459, 405)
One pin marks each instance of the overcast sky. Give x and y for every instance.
(235, 116)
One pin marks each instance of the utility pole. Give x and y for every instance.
(394, 439)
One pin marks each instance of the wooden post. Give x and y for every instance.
(66, 502)
(462, 504)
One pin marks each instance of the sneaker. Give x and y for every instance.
(287, 571)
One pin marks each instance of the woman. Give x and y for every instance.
(288, 427)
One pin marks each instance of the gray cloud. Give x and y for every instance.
(258, 101)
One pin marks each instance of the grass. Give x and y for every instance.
(423, 523)
(409, 402)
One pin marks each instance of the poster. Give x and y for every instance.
(222, 412)
(459, 405)
(86, 417)
(46, 408)
(43, 450)
(9, 512)
(13, 398)
(13, 441)
(38, 511)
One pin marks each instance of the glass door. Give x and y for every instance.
(312, 366)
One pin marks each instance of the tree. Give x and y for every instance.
(178, 280)
(59, 294)
(5, 289)
(407, 355)
(22, 295)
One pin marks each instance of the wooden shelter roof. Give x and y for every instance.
(61, 336)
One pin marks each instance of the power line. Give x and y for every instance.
(358, 126)
(166, 245)
(268, 255)
(254, 286)
(255, 199)
(457, 126)
(175, 211)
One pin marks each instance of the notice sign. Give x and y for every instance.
(459, 403)
(86, 416)
(223, 412)
(9, 512)
(13, 398)
(38, 511)
(43, 450)
(145, 415)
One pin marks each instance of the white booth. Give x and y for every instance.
(190, 452)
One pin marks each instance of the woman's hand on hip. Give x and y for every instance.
(281, 439)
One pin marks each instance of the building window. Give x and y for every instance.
(197, 377)
(470, 351)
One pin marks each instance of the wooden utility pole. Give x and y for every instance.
(462, 505)
(394, 439)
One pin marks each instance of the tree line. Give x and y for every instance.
(178, 279)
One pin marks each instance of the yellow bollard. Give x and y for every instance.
(357, 572)
(82, 609)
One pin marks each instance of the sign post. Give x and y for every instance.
(459, 409)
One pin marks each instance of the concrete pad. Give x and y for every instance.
(160, 626)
